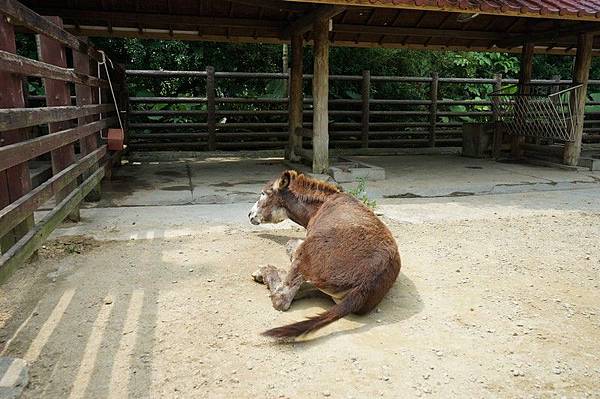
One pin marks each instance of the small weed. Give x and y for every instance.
(360, 193)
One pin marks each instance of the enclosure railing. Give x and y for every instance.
(218, 120)
(63, 134)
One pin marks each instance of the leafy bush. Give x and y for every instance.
(360, 193)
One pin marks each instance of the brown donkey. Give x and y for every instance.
(348, 253)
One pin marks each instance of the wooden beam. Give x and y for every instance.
(27, 245)
(14, 181)
(84, 98)
(320, 161)
(20, 65)
(19, 210)
(419, 32)
(150, 20)
(581, 74)
(17, 118)
(525, 75)
(365, 92)
(273, 5)
(35, 22)
(295, 105)
(58, 93)
(554, 35)
(211, 107)
(16, 153)
(306, 22)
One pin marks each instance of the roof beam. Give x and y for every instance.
(147, 20)
(273, 5)
(419, 32)
(553, 35)
(305, 23)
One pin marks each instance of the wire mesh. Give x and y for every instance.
(538, 111)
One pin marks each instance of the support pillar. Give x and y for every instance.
(293, 150)
(524, 79)
(321, 96)
(581, 74)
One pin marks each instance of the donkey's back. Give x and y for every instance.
(348, 247)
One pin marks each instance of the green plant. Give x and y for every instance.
(360, 193)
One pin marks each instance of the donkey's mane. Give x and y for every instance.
(310, 189)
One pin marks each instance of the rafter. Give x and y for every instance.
(305, 22)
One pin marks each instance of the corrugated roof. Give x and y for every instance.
(570, 9)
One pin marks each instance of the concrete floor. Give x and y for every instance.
(150, 296)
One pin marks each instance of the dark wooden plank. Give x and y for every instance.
(433, 108)
(524, 81)
(365, 94)
(295, 99)
(84, 97)
(35, 22)
(57, 94)
(17, 153)
(19, 210)
(15, 181)
(210, 107)
(320, 158)
(29, 243)
(27, 67)
(25, 117)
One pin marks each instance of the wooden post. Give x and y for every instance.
(14, 182)
(433, 96)
(365, 93)
(498, 131)
(58, 94)
(83, 94)
(321, 96)
(581, 74)
(524, 80)
(295, 105)
(211, 108)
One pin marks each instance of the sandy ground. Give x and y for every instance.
(499, 296)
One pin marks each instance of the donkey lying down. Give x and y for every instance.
(348, 253)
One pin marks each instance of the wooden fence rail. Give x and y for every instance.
(208, 121)
(61, 130)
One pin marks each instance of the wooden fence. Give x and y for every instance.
(217, 122)
(63, 133)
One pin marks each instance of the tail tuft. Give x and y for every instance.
(351, 303)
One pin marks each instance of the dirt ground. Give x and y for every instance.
(495, 303)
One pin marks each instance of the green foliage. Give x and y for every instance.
(360, 193)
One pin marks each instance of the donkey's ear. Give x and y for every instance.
(284, 181)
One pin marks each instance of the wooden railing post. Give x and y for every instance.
(294, 148)
(433, 96)
(83, 94)
(498, 133)
(581, 74)
(15, 181)
(320, 142)
(58, 94)
(365, 93)
(211, 108)
(524, 89)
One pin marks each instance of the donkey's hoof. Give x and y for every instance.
(258, 277)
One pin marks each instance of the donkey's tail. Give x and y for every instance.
(352, 302)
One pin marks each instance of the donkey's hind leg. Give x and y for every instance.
(283, 295)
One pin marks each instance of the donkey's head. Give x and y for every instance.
(270, 206)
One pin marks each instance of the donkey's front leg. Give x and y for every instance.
(283, 295)
(291, 247)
